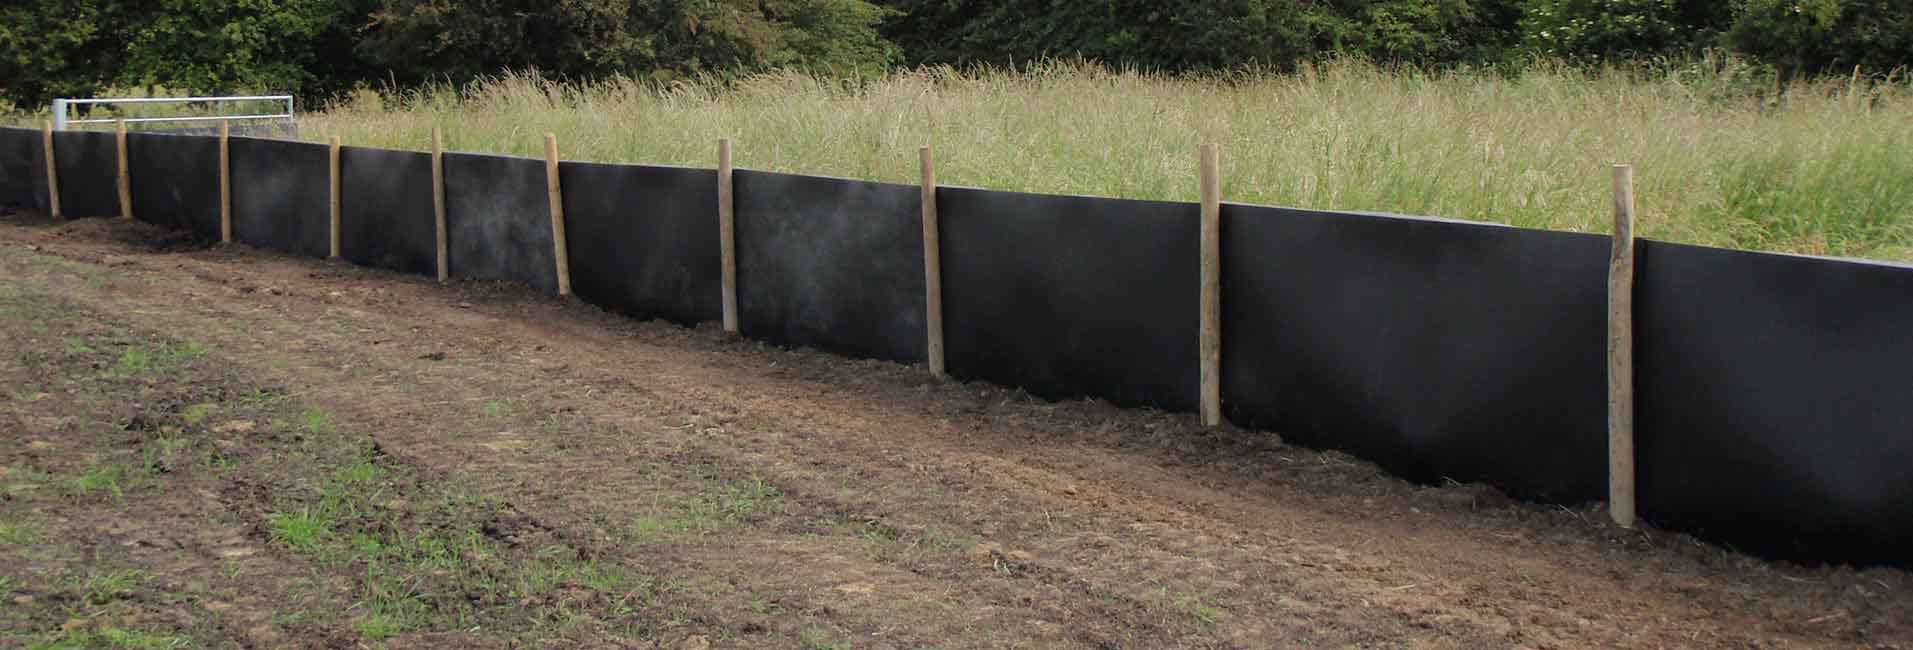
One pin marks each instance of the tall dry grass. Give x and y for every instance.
(1823, 168)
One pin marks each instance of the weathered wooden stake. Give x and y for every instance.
(333, 197)
(52, 173)
(560, 251)
(727, 234)
(932, 264)
(1210, 342)
(126, 173)
(1620, 353)
(438, 201)
(225, 181)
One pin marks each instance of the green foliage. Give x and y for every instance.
(56, 49)
(422, 40)
(1601, 28)
(1428, 32)
(1132, 33)
(1825, 35)
(239, 45)
(427, 40)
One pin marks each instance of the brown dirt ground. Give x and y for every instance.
(738, 495)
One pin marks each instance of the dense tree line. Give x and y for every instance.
(320, 47)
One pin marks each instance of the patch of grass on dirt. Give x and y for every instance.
(886, 544)
(133, 361)
(100, 588)
(317, 422)
(305, 530)
(1192, 606)
(23, 480)
(165, 447)
(178, 353)
(815, 639)
(112, 478)
(361, 471)
(429, 557)
(109, 638)
(727, 503)
(18, 533)
(164, 358)
(218, 462)
(196, 413)
(262, 398)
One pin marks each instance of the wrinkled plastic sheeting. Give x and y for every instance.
(831, 264)
(1438, 349)
(1774, 407)
(175, 181)
(498, 220)
(282, 195)
(643, 240)
(1070, 296)
(386, 216)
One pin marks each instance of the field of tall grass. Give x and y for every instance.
(1820, 168)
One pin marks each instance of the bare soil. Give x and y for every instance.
(228, 448)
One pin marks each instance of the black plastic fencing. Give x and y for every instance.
(386, 217)
(831, 264)
(498, 221)
(175, 181)
(281, 195)
(1071, 296)
(644, 240)
(88, 165)
(22, 170)
(1774, 410)
(1439, 349)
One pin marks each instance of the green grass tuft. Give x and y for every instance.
(18, 533)
(110, 638)
(112, 478)
(317, 422)
(196, 413)
(132, 361)
(306, 530)
(361, 471)
(103, 588)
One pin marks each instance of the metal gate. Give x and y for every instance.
(276, 123)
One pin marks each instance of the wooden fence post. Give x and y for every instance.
(559, 248)
(727, 233)
(333, 197)
(1620, 353)
(1210, 343)
(52, 173)
(932, 265)
(438, 201)
(126, 169)
(225, 181)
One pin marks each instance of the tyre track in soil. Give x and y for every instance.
(1107, 523)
